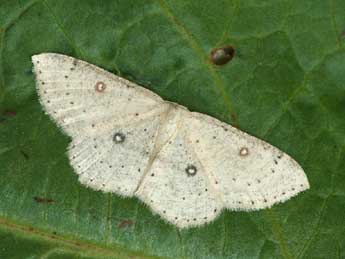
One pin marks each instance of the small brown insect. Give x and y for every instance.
(221, 56)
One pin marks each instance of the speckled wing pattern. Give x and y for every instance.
(186, 166)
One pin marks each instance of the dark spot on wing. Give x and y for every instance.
(119, 137)
(244, 151)
(100, 87)
(191, 170)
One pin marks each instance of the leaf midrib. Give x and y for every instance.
(69, 245)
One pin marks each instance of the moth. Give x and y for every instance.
(186, 166)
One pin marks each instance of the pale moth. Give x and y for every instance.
(186, 166)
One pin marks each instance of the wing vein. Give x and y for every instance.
(211, 178)
(108, 151)
(156, 148)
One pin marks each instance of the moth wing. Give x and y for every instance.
(103, 163)
(248, 173)
(177, 185)
(94, 106)
(86, 100)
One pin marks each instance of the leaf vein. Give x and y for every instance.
(218, 82)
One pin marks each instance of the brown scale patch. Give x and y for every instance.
(100, 87)
(244, 151)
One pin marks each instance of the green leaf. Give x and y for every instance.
(284, 85)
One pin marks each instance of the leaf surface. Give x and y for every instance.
(284, 85)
